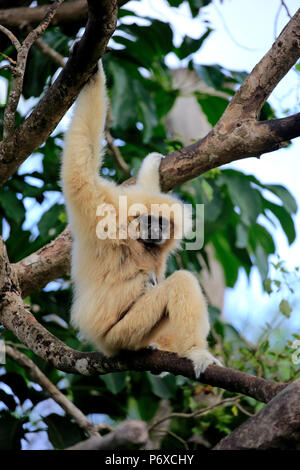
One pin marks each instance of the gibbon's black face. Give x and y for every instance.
(154, 230)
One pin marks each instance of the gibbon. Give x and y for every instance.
(121, 299)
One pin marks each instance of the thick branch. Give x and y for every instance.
(129, 433)
(228, 141)
(234, 137)
(50, 262)
(276, 426)
(24, 17)
(15, 317)
(284, 53)
(61, 95)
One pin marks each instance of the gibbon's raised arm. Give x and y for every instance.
(84, 189)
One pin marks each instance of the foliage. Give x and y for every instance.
(236, 207)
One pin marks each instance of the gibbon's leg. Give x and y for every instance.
(148, 175)
(176, 305)
(83, 188)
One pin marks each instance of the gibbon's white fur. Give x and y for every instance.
(121, 298)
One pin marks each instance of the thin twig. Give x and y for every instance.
(178, 438)
(113, 148)
(19, 70)
(48, 51)
(11, 37)
(195, 414)
(286, 8)
(40, 378)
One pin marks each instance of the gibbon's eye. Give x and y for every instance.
(153, 229)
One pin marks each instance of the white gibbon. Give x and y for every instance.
(122, 301)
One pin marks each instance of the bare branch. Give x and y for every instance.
(276, 426)
(195, 414)
(11, 37)
(131, 432)
(40, 378)
(18, 73)
(61, 95)
(50, 262)
(24, 17)
(48, 51)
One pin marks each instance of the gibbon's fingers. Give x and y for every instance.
(148, 175)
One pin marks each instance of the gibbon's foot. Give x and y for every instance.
(201, 359)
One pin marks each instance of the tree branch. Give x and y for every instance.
(129, 433)
(48, 263)
(234, 137)
(276, 426)
(18, 319)
(18, 74)
(24, 17)
(40, 378)
(61, 95)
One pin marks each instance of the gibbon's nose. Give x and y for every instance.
(153, 228)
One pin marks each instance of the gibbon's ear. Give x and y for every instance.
(148, 175)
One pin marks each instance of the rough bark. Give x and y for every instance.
(61, 95)
(50, 262)
(276, 426)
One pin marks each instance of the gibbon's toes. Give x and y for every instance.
(201, 359)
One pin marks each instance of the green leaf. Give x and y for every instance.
(212, 106)
(147, 407)
(284, 218)
(207, 189)
(287, 199)
(261, 261)
(163, 387)
(123, 103)
(228, 260)
(190, 45)
(267, 283)
(50, 223)
(212, 75)
(62, 432)
(243, 196)
(285, 308)
(11, 431)
(241, 236)
(115, 382)
(12, 207)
